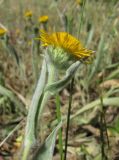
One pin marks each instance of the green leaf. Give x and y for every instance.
(113, 130)
(94, 67)
(114, 101)
(117, 125)
(113, 74)
(98, 157)
(31, 125)
(90, 37)
(58, 86)
(2, 100)
(45, 152)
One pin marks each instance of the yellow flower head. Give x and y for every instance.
(63, 48)
(43, 19)
(78, 1)
(2, 32)
(67, 42)
(28, 14)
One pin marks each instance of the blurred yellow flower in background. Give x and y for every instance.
(28, 14)
(67, 42)
(43, 19)
(78, 1)
(2, 31)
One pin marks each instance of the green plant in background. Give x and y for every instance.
(29, 25)
(7, 45)
(35, 49)
(43, 20)
(29, 22)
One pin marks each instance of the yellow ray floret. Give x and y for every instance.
(66, 41)
(43, 19)
(2, 31)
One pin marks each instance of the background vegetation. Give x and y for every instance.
(94, 126)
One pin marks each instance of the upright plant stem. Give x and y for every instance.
(68, 117)
(37, 105)
(51, 79)
(102, 129)
(103, 126)
(60, 130)
(47, 94)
